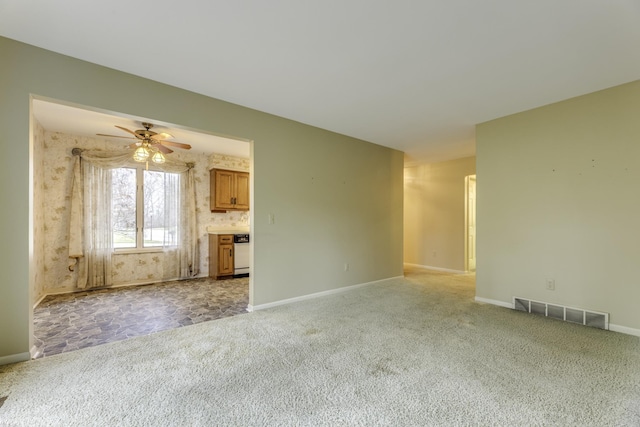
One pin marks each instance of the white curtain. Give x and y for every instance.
(189, 234)
(98, 233)
(181, 260)
(90, 227)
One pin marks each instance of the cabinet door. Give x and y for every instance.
(242, 191)
(225, 259)
(222, 187)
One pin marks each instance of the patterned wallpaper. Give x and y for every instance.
(127, 268)
(37, 290)
(222, 161)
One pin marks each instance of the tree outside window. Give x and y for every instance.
(148, 198)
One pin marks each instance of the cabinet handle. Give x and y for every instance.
(230, 253)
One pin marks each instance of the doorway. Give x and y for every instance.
(57, 128)
(470, 222)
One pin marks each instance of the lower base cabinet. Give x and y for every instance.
(220, 255)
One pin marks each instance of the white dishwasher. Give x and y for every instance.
(240, 255)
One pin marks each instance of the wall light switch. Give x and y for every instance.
(272, 218)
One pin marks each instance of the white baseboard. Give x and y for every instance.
(612, 327)
(39, 301)
(318, 294)
(495, 302)
(15, 358)
(624, 330)
(428, 267)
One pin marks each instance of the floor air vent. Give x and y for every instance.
(568, 314)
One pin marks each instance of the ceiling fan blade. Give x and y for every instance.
(161, 135)
(114, 136)
(162, 148)
(129, 131)
(175, 144)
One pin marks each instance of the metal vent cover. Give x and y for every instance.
(581, 316)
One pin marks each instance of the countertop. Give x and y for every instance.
(234, 230)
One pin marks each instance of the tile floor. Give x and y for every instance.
(84, 319)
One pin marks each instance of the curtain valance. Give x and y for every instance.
(124, 158)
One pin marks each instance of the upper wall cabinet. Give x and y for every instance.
(229, 190)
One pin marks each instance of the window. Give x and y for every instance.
(144, 208)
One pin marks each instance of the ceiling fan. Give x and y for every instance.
(150, 144)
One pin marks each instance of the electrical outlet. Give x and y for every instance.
(435, 254)
(346, 266)
(551, 284)
(272, 218)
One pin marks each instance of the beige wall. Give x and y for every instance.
(434, 213)
(558, 197)
(335, 199)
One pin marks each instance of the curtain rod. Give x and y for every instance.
(78, 151)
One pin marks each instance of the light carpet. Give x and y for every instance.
(416, 352)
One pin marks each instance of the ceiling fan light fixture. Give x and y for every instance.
(158, 157)
(150, 145)
(141, 154)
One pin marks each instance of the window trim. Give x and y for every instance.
(140, 248)
(119, 251)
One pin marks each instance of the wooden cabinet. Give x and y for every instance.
(220, 255)
(229, 190)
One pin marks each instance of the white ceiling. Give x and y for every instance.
(413, 75)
